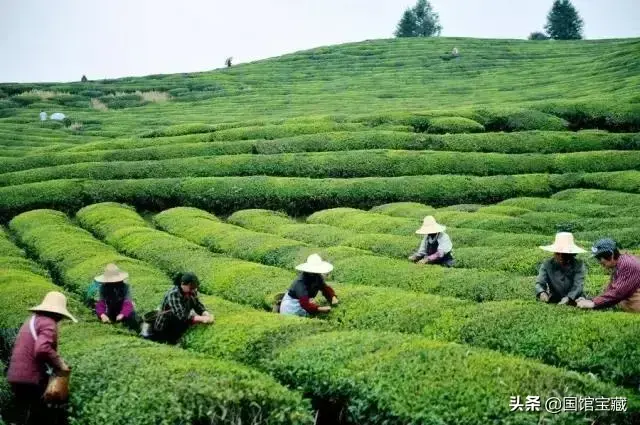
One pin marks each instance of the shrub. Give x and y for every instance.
(601, 197)
(454, 125)
(71, 100)
(124, 100)
(295, 195)
(5, 392)
(74, 256)
(265, 340)
(182, 129)
(519, 120)
(453, 380)
(338, 165)
(353, 266)
(404, 209)
(25, 99)
(561, 336)
(606, 116)
(91, 93)
(100, 354)
(503, 209)
(537, 35)
(271, 132)
(592, 210)
(191, 146)
(8, 104)
(360, 307)
(269, 338)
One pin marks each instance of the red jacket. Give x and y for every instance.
(29, 356)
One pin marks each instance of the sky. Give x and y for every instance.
(61, 40)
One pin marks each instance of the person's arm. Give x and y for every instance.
(542, 281)
(309, 306)
(101, 307)
(202, 315)
(578, 283)
(444, 245)
(303, 297)
(44, 347)
(329, 294)
(198, 307)
(422, 249)
(620, 288)
(127, 308)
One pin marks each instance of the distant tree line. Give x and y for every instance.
(563, 22)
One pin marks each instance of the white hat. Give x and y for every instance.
(54, 302)
(315, 264)
(563, 244)
(429, 226)
(112, 274)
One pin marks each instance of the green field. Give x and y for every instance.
(239, 174)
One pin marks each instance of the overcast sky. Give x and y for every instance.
(59, 40)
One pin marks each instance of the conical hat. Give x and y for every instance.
(563, 244)
(112, 274)
(54, 302)
(315, 264)
(429, 226)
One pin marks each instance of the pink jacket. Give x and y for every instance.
(29, 356)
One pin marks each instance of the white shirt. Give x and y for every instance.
(43, 116)
(444, 244)
(57, 116)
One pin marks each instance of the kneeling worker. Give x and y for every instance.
(436, 245)
(298, 299)
(624, 286)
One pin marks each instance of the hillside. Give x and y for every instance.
(239, 174)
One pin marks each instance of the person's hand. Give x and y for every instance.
(586, 304)
(119, 317)
(324, 309)
(203, 319)
(563, 301)
(414, 258)
(544, 297)
(334, 301)
(64, 369)
(104, 318)
(425, 260)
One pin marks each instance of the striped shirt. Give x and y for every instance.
(176, 307)
(625, 281)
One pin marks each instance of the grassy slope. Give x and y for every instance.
(375, 76)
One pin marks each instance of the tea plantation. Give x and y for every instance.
(239, 174)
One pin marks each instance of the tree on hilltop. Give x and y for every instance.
(564, 22)
(419, 21)
(407, 27)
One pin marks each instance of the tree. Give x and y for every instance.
(84, 79)
(427, 19)
(537, 35)
(228, 62)
(407, 27)
(419, 21)
(563, 21)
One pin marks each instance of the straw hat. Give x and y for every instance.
(54, 302)
(112, 274)
(429, 226)
(315, 264)
(563, 244)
